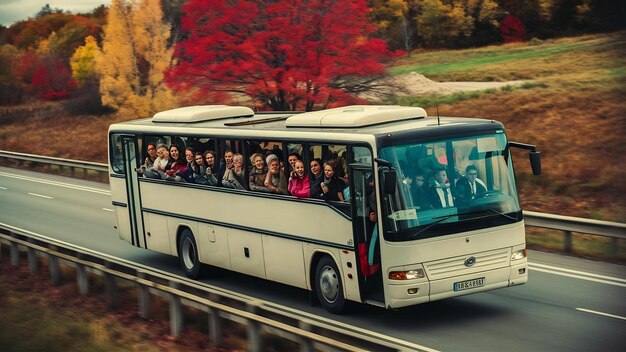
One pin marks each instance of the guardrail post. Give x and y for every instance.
(82, 279)
(53, 267)
(568, 242)
(254, 337)
(306, 345)
(215, 324)
(144, 297)
(176, 311)
(15, 252)
(33, 261)
(110, 287)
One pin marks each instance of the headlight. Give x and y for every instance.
(407, 275)
(519, 254)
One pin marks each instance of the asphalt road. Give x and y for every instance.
(569, 304)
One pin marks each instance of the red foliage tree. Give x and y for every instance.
(53, 80)
(284, 54)
(512, 29)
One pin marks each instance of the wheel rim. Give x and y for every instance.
(189, 254)
(329, 284)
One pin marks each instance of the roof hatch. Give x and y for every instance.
(356, 116)
(200, 113)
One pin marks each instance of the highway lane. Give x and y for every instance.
(558, 310)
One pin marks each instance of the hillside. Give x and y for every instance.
(570, 104)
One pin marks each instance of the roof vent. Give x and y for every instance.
(356, 116)
(200, 113)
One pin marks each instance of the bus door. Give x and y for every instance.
(366, 234)
(132, 191)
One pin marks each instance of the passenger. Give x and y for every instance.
(316, 179)
(256, 181)
(177, 166)
(291, 159)
(235, 178)
(299, 181)
(161, 163)
(198, 172)
(148, 162)
(419, 192)
(228, 158)
(275, 180)
(212, 166)
(469, 186)
(439, 193)
(332, 187)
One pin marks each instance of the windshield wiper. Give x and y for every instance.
(492, 210)
(440, 219)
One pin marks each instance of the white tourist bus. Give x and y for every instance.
(413, 251)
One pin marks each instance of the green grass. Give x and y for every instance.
(446, 63)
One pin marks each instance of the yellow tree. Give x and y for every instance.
(83, 61)
(151, 35)
(130, 74)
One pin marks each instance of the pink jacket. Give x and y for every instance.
(299, 187)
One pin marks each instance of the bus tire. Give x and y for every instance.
(188, 255)
(328, 285)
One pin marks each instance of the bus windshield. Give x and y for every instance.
(450, 186)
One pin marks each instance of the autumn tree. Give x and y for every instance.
(283, 54)
(133, 56)
(83, 61)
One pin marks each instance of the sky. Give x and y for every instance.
(12, 11)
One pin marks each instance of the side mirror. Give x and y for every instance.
(533, 154)
(535, 162)
(389, 180)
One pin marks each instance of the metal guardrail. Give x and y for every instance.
(73, 165)
(256, 315)
(567, 224)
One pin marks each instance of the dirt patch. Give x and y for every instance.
(416, 84)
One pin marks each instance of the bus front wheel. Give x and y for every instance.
(328, 285)
(188, 255)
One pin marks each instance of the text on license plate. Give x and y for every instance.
(467, 284)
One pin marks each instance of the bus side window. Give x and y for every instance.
(117, 156)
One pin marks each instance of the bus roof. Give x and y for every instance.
(354, 120)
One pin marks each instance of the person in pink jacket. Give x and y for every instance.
(299, 181)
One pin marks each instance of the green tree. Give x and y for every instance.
(83, 61)
(438, 22)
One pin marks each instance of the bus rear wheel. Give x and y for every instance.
(328, 286)
(188, 255)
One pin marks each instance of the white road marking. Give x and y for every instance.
(600, 313)
(107, 209)
(609, 280)
(56, 183)
(40, 195)
(4, 188)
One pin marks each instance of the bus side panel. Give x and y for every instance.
(213, 245)
(158, 236)
(350, 275)
(284, 261)
(118, 196)
(246, 252)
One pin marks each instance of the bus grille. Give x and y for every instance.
(455, 266)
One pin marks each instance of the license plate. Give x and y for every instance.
(468, 284)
